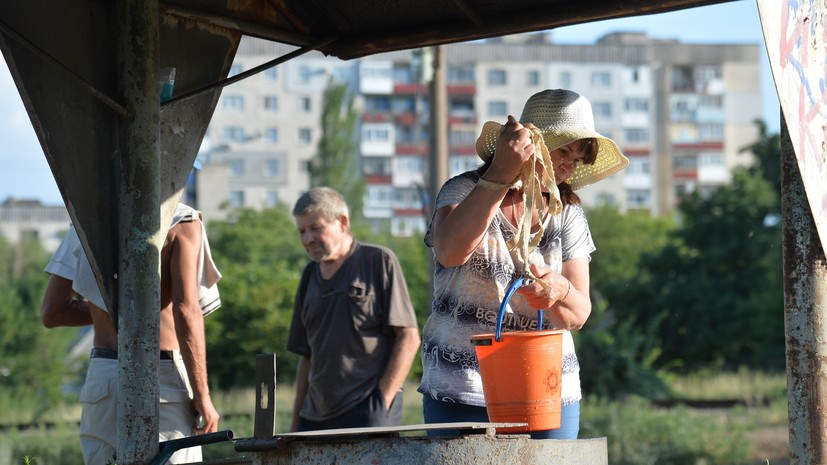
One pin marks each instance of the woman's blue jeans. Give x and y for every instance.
(435, 411)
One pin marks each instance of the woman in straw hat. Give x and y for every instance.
(517, 216)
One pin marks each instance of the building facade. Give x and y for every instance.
(680, 112)
(29, 219)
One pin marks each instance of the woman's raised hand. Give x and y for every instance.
(514, 147)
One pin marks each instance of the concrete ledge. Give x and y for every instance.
(463, 450)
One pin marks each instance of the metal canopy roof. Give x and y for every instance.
(357, 28)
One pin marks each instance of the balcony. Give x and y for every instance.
(412, 149)
(375, 117)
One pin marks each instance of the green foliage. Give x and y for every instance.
(336, 163)
(616, 353)
(261, 258)
(715, 291)
(55, 446)
(767, 152)
(639, 434)
(31, 357)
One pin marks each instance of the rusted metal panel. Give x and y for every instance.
(805, 316)
(265, 412)
(463, 450)
(796, 36)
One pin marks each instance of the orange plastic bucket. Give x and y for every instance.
(521, 375)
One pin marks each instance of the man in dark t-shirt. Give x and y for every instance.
(353, 323)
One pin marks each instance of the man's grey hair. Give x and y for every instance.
(324, 200)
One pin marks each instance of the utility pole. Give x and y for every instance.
(438, 163)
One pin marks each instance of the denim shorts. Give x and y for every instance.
(435, 411)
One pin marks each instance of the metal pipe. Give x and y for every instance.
(167, 448)
(805, 315)
(139, 241)
(250, 72)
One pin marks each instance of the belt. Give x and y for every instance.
(113, 354)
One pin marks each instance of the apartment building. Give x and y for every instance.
(680, 112)
(23, 219)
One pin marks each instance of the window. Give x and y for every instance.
(565, 79)
(304, 104)
(712, 159)
(637, 135)
(271, 135)
(402, 74)
(272, 198)
(685, 162)
(638, 165)
(497, 108)
(460, 74)
(414, 165)
(462, 137)
(461, 163)
(461, 106)
(376, 166)
(636, 105)
(711, 101)
(403, 105)
(378, 103)
(235, 167)
(532, 78)
(601, 79)
(305, 136)
(375, 134)
(711, 132)
(234, 103)
(637, 198)
(270, 74)
(235, 69)
(234, 134)
(602, 109)
(271, 103)
(272, 166)
(237, 199)
(496, 77)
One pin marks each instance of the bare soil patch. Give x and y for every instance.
(771, 445)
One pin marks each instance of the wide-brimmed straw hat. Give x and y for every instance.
(562, 116)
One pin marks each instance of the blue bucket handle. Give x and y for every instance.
(518, 283)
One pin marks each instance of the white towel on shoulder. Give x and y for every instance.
(69, 262)
(208, 274)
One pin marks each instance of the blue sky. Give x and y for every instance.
(24, 172)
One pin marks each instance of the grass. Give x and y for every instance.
(753, 387)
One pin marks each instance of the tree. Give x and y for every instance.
(32, 358)
(715, 291)
(336, 162)
(617, 355)
(767, 151)
(261, 259)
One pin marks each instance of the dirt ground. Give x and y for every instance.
(772, 445)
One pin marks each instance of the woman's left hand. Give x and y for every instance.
(541, 296)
